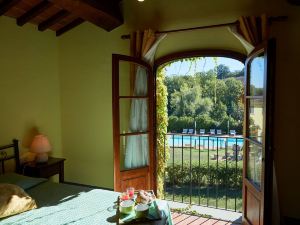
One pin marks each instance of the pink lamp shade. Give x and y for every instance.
(40, 145)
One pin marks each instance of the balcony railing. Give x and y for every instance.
(204, 170)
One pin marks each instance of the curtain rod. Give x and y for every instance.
(271, 19)
(127, 36)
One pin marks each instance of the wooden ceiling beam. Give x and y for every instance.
(69, 26)
(32, 13)
(109, 6)
(53, 20)
(7, 5)
(103, 13)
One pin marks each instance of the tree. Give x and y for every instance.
(204, 106)
(222, 71)
(173, 84)
(219, 113)
(185, 101)
(233, 94)
(208, 81)
(237, 73)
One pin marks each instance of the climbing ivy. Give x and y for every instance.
(161, 129)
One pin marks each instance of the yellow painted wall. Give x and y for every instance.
(86, 102)
(29, 84)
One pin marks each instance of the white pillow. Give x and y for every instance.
(14, 200)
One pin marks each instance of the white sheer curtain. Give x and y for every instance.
(137, 146)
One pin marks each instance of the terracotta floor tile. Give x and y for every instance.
(180, 218)
(183, 219)
(188, 220)
(210, 222)
(174, 215)
(199, 221)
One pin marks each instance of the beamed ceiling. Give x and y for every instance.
(63, 15)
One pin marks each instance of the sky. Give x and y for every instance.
(208, 63)
(178, 68)
(257, 72)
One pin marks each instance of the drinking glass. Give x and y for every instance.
(130, 192)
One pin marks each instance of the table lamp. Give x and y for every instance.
(40, 146)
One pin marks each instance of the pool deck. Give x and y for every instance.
(206, 135)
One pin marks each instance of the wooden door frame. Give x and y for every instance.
(183, 55)
(116, 112)
(268, 47)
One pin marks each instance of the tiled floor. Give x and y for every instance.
(183, 219)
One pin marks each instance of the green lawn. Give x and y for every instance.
(186, 154)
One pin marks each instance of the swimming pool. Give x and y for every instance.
(203, 141)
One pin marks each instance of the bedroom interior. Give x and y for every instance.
(56, 79)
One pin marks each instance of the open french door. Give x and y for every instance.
(133, 123)
(258, 151)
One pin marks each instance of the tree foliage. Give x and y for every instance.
(211, 99)
(222, 71)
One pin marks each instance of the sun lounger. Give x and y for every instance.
(212, 132)
(185, 131)
(213, 157)
(219, 132)
(202, 131)
(236, 147)
(232, 132)
(191, 131)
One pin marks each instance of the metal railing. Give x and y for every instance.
(204, 170)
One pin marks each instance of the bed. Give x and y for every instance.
(62, 204)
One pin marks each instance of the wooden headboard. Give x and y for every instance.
(4, 156)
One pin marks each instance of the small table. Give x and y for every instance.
(45, 170)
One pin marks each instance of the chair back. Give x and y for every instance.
(191, 131)
(232, 132)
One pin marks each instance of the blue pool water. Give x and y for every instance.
(204, 141)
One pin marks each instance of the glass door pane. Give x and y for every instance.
(256, 119)
(133, 115)
(254, 163)
(256, 79)
(134, 151)
(133, 79)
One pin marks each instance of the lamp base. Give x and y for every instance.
(41, 158)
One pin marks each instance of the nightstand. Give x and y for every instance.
(45, 170)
